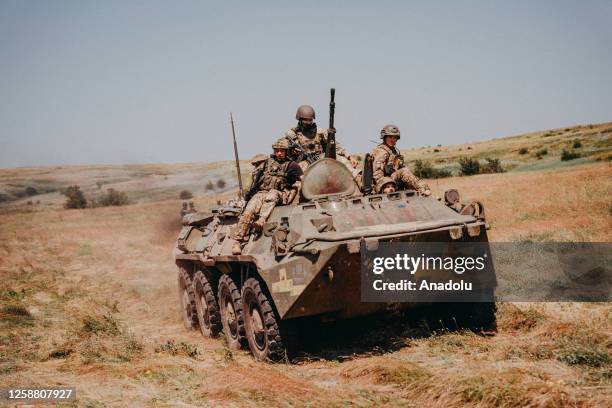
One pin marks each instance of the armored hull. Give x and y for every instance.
(307, 260)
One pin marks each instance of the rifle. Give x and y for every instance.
(304, 155)
(241, 191)
(257, 180)
(331, 137)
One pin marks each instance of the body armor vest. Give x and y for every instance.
(275, 175)
(395, 161)
(315, 144)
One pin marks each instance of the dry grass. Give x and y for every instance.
(88, 299)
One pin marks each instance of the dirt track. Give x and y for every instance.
(89, 300)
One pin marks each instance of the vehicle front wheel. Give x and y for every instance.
(230, 305)
(261, 324)
(207, 308)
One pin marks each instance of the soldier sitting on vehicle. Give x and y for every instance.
(276, 180)
(386, 185)
(388, 162)
(313, 140)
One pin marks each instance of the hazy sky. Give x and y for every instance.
(146, 81)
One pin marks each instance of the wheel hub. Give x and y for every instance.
(232, 322)
(204, 307)
(259, 332)
(186, 303)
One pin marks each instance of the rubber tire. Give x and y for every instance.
(209, 319)
(229, 293)
(187, 300)
(479, 316)
(475, 316)
(270, 347)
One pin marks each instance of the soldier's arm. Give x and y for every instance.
(341, 150)
(294, 173)
(380, 161)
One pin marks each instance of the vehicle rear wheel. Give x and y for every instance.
(187, 300)
(476, 316)
(262, 329)
(207, 309)
(232, 319)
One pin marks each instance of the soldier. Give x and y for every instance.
(184, 210)
(192, 208)
(386, 185)
(275, 181)
(388, 162)
(313, 139)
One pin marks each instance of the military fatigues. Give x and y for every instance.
(278, 179)
(314, 144)
(388, 162)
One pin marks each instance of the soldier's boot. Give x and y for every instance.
(236, 248)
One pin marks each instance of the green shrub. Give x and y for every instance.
(101, 324)
(30, 191)
(541, 152)
(210, 186)
(468, 166)
(221, 184)
(492, 166)
(185, 195)
(177, 349)
(523, 150)
(585, 356)
(577, 144)
(111, 198)
(76, 198)
(569, 155)
(424, 169)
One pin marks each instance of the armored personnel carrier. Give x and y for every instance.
(306, 262)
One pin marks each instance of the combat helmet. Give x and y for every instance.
(305, 112)
(384, 181)
(281, 143)
(389, 130)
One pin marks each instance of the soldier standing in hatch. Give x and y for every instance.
(314, 139)
(386, 185)
(388, 162)
(275, 181)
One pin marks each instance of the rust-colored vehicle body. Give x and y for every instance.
(306, 262)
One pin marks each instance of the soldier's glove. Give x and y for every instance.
(331, 131)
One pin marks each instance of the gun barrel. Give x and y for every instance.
(331, 140)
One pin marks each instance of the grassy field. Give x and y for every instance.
(88, 299)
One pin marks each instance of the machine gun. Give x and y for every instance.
(330, 148)
(303, 154)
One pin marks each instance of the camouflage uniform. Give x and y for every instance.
(279, 184)
(388, 162)
(314, 144)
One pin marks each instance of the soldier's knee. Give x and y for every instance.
(272, 196)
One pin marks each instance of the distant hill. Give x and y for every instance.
(155, 182)
(532, 151)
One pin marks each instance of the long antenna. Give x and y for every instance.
(241, 190)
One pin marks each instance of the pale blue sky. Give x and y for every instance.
(85, 82)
